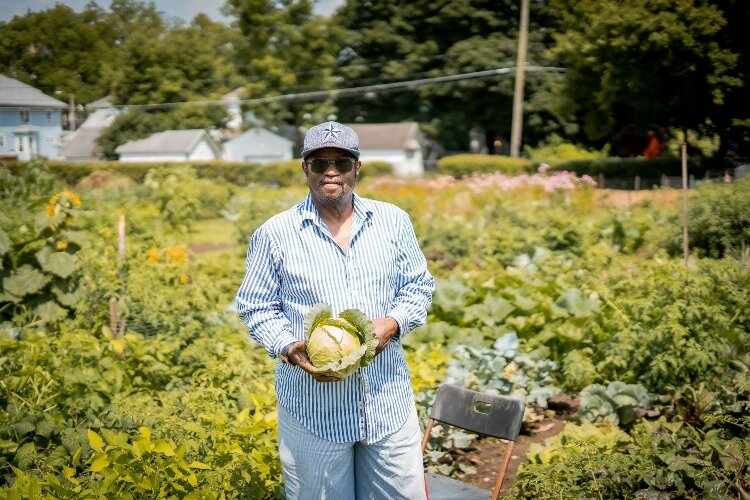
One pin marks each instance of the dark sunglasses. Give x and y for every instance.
(344, 164)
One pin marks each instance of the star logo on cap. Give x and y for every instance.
(331, 132)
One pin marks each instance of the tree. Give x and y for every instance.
(396, 41)
(642, 62)
(287, 49)
(57, 51)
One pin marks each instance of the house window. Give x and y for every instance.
(410, 154)
(2, 141)
(48, 139)
(19, 145)
(49, 116)
(24, 116)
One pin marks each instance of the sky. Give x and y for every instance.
(186, 9)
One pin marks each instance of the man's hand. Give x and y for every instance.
(385, 329)
(297, 354)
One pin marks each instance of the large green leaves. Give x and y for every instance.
(60, 264)
(25, 281)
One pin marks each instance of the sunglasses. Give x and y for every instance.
(343, 164)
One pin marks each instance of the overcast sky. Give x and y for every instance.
(186, 9)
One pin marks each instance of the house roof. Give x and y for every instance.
(403, 135)
(104, 102)
(14, 93)
(82, 142)
(259, 133)
(169, 141)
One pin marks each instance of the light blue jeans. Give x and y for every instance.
(317, 469)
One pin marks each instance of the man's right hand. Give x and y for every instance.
(297, 354)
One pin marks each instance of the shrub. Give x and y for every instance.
(286, 173)
(651, 168)
(465, 165)
(719, 219)
(375, 169)
(556, 151)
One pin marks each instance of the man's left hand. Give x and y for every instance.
(385, 329)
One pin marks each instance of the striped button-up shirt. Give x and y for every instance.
(294, 263)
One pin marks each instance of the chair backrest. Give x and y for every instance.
(478, 412)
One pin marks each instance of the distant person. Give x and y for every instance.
(654, 147)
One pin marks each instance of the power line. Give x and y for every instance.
(353, 91)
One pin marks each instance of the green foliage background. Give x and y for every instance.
(538, 293)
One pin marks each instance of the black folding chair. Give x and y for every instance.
(480, 413)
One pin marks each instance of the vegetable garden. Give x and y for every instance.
(125, 373)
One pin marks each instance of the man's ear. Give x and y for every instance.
(304, 167)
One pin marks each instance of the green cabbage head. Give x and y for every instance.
(338, 346)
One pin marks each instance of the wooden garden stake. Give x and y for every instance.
(684, 204)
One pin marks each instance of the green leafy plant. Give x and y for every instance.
(39, 271)
(617, 403)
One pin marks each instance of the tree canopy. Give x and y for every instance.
(638, 64)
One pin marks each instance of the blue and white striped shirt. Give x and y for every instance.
(294, 263)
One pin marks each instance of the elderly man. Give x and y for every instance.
(357, 437)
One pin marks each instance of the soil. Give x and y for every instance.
(487, 455)
(627, 199)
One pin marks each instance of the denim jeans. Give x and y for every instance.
(317, 469)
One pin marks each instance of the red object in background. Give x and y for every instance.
(654, 147)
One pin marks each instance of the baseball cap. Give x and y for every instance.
(331, 135)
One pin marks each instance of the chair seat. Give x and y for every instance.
(444, 488)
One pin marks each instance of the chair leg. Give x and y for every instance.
(426, 437)
(503, 469)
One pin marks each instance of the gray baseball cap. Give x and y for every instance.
(331, 135)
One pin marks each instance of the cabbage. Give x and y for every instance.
(338, 346)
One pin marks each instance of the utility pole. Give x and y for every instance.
(517, 125)
(72, 113)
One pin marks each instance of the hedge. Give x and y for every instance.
(466, 164)
(643, 167)
(283, 173)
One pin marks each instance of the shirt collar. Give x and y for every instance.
(363, 210)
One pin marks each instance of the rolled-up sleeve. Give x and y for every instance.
(415, 284)
(258, 298)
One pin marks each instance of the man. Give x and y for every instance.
(357, 437)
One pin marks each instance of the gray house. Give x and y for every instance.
(258, 145)
(30, 121)
(81, 145)
(171, 146)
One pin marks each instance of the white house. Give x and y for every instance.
(171, 146)
(399, 144)
(30, 121)
(258, 145)
(81, 145)
(232, 102)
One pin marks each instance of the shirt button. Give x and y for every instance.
(360, 405)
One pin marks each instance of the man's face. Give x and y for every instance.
(329, 186)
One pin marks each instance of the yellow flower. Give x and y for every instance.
(176, 254)
(184, 279)
(52, 205)
(60, 199)
(509, 370)
(153, 254)
(62, 245)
